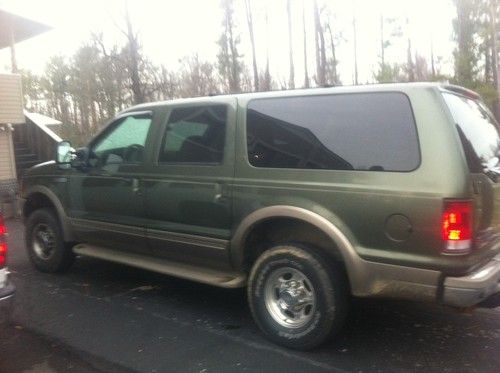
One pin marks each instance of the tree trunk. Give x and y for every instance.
(291, 81)
(235, 77)
(355, 38)
(248, 8)
(316, 44)
(320, 47)
(306, 72)
(410, 64)
(433, 68)
(494, 60)
(267, 74)
(133, 63)
(334, 58)
(382, 46)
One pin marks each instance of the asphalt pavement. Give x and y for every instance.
(104, 317)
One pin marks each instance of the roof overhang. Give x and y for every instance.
(19, 27)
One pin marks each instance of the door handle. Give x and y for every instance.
(219, 196)
(136, 187)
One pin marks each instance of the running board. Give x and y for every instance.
(181, 270)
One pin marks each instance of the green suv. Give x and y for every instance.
(305, 197)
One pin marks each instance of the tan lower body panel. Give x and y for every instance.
(181, 270)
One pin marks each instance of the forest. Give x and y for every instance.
(92, 85)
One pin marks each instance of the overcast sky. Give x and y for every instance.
(171, 29)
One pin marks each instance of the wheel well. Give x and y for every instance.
(272, 232)
(37, 201)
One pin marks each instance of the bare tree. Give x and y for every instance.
(266, 79)
(248, 8)
(382, 41)
(306, 72)
(334, 62)
(291, 81)
(197, 77)
(230, 65)
(355, 44)
(410, 66)
(421, 69)
(466, 52)
(433, 67)
(494, 53)
(133, 59)
(320, 47)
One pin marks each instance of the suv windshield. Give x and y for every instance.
(478, 131)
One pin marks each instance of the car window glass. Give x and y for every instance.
(125, 142)
(369, 131)
(477, 129)
(195, 135)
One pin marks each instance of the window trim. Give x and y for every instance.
(112, 125)
(412, 112)
(163, 130)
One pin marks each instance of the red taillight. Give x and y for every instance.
(457, 226)
(3, 244)
(3, 254)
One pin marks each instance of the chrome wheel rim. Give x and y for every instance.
(289, 297)
(44, 241)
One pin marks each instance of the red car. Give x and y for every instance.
(6, 288)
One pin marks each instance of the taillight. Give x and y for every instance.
(3, 254)
(457, 226)
(3, 244)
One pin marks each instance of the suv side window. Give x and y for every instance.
(195, 134)
(477, 129)
(366, 131)
(124, 142)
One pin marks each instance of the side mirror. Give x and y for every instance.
(64, 154)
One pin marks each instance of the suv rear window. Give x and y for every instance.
(365, 131)
(477, 129)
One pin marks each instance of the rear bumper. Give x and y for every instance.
(474, 288)
(6, 302)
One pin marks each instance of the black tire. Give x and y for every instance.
(329, 289)
(48, 253)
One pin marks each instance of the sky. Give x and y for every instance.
(172, 29)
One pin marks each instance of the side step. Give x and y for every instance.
(181, 270)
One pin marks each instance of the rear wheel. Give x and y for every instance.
(297, 298)
(46, 248)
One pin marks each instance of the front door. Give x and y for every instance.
(188, 187)
(106, 200)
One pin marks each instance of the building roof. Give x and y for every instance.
(23, 28)
(42, 119)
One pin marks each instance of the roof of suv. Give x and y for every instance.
(312, 91)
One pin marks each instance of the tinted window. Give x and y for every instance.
(338, 132)
(195, 135)
(125, 140)
(477, 129)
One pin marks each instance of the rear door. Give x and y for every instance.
(479, 134)
(189, 185)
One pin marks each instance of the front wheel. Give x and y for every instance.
(297, 298)
(46, 248)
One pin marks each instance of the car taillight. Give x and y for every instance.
(3, 244)
(3, 254)
(457, 226)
